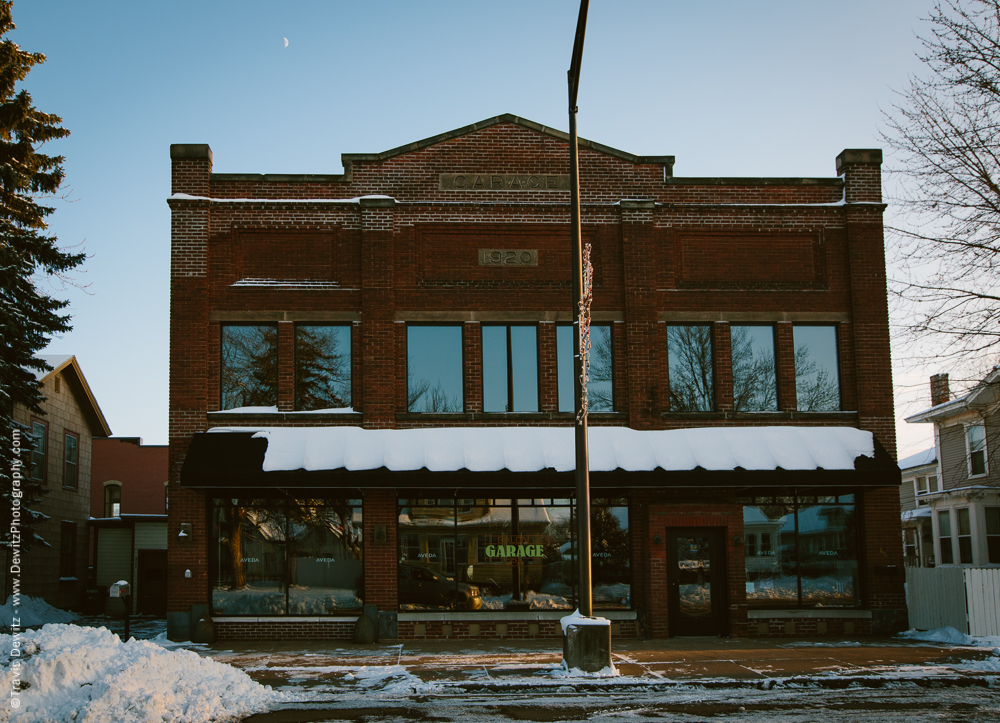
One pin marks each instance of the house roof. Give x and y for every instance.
(70, 368)
(920, 459)
(985, 393)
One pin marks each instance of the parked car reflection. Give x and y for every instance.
(424, 587)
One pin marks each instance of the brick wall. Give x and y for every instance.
(666, 251)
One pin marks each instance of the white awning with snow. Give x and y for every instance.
(533, 449)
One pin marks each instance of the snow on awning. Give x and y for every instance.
(532, 449)
(274, 451)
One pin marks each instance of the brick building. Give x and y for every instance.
(128, 526)
(370, 407)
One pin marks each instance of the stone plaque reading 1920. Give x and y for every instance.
(508, 257)
(503, 182)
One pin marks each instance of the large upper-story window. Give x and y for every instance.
(322, 367)
(39, 452)
(689, 364)
(817, 377)
(71, 461)
(975, 440)
(755, 386)
(434, 369)
(600, 378)
(249, 366)
(510, 369)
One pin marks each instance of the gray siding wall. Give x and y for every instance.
(954, 461)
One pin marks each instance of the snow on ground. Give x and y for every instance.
(31, 612)
(73, 673)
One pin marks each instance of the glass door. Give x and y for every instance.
(696, 581)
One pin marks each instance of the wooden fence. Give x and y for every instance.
(965, 598)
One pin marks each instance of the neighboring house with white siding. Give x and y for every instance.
(965, 509)
(921, 479)
(61, 461)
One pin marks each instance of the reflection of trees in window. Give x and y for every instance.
(689, 363)
(434, 369)
(249, 366)
(510, 369)
(600, 397)
(600, 384)
(322, 367)
(754, 381)
(817, 381)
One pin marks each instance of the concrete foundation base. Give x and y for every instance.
(587, 647)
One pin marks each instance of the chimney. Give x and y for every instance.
(939, 389)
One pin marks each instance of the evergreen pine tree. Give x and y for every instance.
(28, 316)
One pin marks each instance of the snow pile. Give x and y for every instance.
(531, 449)
(67, 672)
(942, 635)
(31, 612)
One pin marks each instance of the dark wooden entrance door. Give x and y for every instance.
(152, 579)
(696, 579)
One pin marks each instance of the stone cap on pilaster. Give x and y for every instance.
(855, 156)
(377, 202)
(190, 150)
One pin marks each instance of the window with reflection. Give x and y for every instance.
(689, 366)
(801, 551)
(249, 376)
(434, 369)
(322, 367)
(817, 375)
(510, 368)
(600, 378)
(755, 387)
(286, 557)
(508, 554)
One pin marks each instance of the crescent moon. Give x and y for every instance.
(286, 41)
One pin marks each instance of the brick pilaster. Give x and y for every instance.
(378, 342)
(644, 356)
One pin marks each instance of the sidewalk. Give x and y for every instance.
(453, 667)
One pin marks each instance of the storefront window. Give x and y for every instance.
(434, 369)
(689, 365)
(294, 557)
(817, 377)
(600, 381)
(322, 367)
(754, 379)
(510, 369)
(504, 554)
(801, 552)
(249, 366)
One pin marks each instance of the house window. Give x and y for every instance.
(249, 366)
(322, 367)
(689, 364)
(807, 554)
(910, 545)
(755, 386)
(286, 556)
(964, 537)
(510, 369)
(39, 452)
(993, 535)
(921, 483)
(71, 461)
(434, 369)
(932, 483)
(975, 440)
(112, 501)
(67, 550)
(600, 382)
(944, 535)
(817, 379)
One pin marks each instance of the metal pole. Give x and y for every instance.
(584, 595)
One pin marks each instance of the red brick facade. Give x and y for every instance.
(383, 245)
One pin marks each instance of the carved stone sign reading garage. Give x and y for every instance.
(503, 182)
(508, 257)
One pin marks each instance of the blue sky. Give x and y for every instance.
(730, 88)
